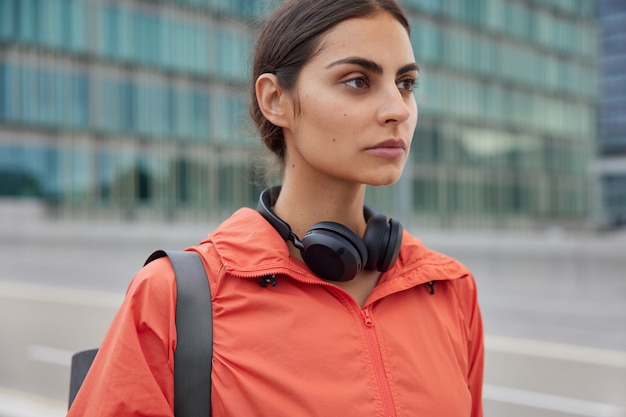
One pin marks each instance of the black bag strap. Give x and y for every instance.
(194, 334)
(194, 328)
(81, 362)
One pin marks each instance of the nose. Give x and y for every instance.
(396, 107)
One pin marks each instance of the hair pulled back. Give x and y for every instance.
(291, 37)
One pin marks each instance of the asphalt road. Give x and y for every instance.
(554, 307)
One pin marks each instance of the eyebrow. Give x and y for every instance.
(371, 65)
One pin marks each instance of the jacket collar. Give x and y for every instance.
(250, 247)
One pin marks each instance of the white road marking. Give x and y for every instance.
(559, 351)
(551, 402)
(50, 355)
(60, 295)
(20, 404)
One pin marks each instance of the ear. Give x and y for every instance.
(273, 100)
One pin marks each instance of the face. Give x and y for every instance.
(355, 108)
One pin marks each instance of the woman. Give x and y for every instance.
(361, 319)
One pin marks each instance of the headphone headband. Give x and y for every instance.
(265, 208)
(266, 202)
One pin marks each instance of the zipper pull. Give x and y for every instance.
(268, 279)
(367, 319)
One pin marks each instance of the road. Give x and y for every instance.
(554, 307)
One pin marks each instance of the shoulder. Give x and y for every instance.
(153, 286)
(243, 243)
(415, 255)
(435, 266)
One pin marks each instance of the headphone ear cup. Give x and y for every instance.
(382, 238)
(393, 246)
(333, 251)
(374, 239)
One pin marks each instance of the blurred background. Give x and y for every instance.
(124, 129)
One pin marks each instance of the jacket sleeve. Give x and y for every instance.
(133, 372)
(476, 349)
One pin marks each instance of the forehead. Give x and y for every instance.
(379, 36)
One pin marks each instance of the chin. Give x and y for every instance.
(387, 177)
(380, 181)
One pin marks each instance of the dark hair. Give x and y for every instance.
(291, 37)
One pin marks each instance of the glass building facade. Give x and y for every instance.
(139, 109)
(507, 111)
(612, 113)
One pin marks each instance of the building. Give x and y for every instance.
(127, 108)
(612, 114)
(507, 119)
(138, 109)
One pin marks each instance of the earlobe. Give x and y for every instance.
(272, 99)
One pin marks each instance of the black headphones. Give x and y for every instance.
(335, 252)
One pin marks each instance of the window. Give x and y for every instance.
(426, 39)
(200, 115)
(51, 24)
(433, 6)
(80, 100)
(75, 33)
(495, 15)
(115, 176)
(425, 195)
(28, 18)
(4, 92)
(28, 170)
(7, 19)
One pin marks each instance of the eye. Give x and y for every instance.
(358, 83)
(408, 84)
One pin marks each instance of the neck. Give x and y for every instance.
(302, 205)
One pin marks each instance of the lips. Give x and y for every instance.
(390, 148)
(390, 143)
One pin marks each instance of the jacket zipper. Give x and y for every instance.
(377, 363)
(370, 336)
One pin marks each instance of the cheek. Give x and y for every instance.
(330, 120)
(412, 122)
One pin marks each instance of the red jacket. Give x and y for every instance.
(303, 347)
